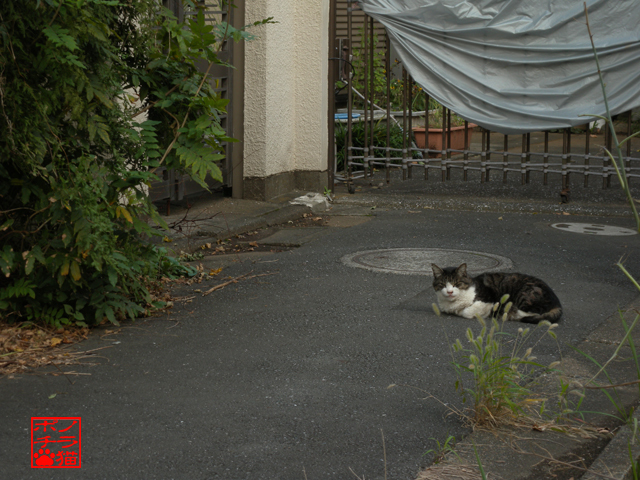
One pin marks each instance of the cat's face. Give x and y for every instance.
(450, 281)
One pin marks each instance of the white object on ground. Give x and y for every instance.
(315, 201)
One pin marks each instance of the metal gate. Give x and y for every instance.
(173, 185)
(388, 126)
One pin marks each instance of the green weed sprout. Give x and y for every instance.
(501, 367)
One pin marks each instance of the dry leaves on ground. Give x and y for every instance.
(25, 347)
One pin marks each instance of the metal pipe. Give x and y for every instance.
(349, 166)
(365, 58)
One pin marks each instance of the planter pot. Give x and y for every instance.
(435, 138)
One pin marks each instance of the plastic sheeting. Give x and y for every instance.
(517, 66)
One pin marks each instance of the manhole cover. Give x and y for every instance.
(417, 261)
(593, 229)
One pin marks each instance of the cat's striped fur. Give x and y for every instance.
(459, 294)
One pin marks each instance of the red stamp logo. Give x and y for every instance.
(55, 442)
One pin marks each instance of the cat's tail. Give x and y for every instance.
(552, 316)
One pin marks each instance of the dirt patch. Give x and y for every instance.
(229, 247)
(25, 347)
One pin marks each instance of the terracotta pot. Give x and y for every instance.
(435, 138)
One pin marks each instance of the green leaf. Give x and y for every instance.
(109, 314)
(6, 225)
(96, 32)
(29, 263)
(103, 134)
(89, 93)
(91, 126)
(26, 193)
(103, 98)
(75, 271)
(60, 36)
(120, 210)
(156, 63)
(113, 276)
(64, 270)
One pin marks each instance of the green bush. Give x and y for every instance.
(77, 154)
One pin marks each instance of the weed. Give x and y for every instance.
(502, 367)
(441, 450)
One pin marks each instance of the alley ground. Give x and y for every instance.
(286, 373)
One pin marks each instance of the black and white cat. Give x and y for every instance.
(459, 294)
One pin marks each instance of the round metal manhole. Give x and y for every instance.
(417, 261)
(594, 229)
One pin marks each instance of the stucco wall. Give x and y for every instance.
(286, 91)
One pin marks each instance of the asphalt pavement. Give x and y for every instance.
(286, 373)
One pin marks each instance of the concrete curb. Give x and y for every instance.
(234, 225)
(615, 460)
(281, 215)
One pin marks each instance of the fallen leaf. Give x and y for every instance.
(213, 272)
(53, 395)
(253, 244)
(566, 213)
(55, 341)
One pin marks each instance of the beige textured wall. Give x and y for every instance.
(286, 91)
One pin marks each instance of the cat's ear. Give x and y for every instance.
(461, 271)
(437, 271)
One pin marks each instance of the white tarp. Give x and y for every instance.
(516, 66)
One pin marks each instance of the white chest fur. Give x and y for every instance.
(462, 302)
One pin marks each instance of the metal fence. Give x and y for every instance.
(383, 132)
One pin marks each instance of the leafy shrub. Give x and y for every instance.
(77, 154)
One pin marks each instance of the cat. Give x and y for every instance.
(459, 294)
